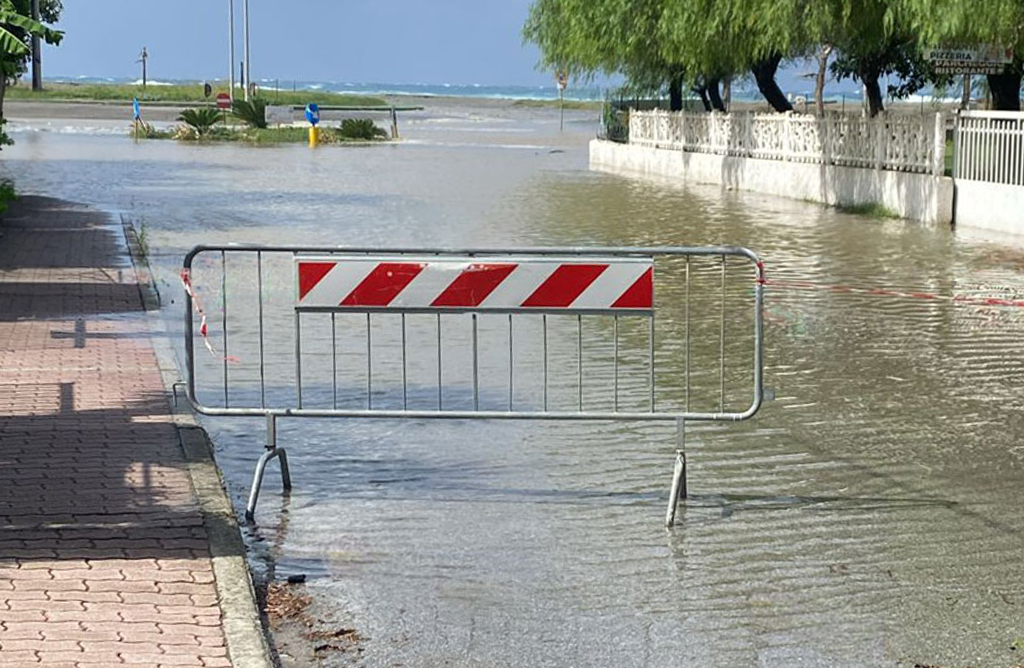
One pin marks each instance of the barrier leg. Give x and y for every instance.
(678, 477)
(272, 452)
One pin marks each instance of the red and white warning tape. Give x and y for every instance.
(197, 304)
(883, 292)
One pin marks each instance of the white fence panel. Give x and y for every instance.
(898, 143)
(990, 147)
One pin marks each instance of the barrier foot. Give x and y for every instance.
(257, 478)
(678, 488)
(272, 452)
(678, 475)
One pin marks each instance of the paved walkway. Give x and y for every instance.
(104, 559)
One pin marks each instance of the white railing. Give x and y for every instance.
(897, 143)
(990, 147)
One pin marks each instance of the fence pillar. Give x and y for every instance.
(939, 145)
(878, 125)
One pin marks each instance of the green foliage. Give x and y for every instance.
(360, 128)
(655, 43)
(614, 124)
(16, 27)
(252, 113)
(870, 210)
(7, 194)
(143, 130)
(5, 139)
(200, 121)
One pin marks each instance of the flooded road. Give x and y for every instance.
(870, 515)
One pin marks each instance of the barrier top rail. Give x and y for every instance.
(331, 281)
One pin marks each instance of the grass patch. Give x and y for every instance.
(568, 104)
(870, 210)
(184, 94)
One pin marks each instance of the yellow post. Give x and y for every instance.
(314, 137)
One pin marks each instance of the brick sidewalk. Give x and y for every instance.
(103, 556)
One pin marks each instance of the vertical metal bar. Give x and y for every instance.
(544, 323)
(298, 354)
(615, 362)
(476, 366)
(439, 392)
(651, 358)
(579, 349)
(334, 360)
(259, 289)
(679, 487)
(405, 370)
(687, 320)
(511, 363)
(369, 364)
(224, 320)
(721, 346)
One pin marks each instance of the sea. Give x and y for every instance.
(794, 84)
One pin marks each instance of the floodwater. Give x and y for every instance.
(869, 515)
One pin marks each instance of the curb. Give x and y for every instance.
(243, 627)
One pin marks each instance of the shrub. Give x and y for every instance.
(253, 113)
(4, 139)
(199, 121)
(144, 130)
(360, 128)
(7, 194)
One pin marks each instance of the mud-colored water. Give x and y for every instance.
(870, 515)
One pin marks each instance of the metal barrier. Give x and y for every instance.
(533, 333)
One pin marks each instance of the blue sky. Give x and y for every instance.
(400, 41)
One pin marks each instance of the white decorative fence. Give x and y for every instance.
(915, 144)
(990, 147)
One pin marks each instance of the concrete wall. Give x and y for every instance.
(990, 206)
(914, 196)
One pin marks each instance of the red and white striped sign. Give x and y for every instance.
(505, 283)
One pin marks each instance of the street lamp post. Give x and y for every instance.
(231, 49)
(248, 70)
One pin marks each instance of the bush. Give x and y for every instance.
(7, 194)
(360, 128)
(144, 130)
(4, 139)
(199, 121)
(253, 114)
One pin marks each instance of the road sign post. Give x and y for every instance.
(313, 116)
(563, 81)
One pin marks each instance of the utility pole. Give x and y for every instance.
(37, 55)
(143, 57)
(231, 49)
(248, 69)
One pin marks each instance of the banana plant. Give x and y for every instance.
(10, 43)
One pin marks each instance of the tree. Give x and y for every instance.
(16, 31)
(972, 23)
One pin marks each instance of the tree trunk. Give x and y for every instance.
(965, 99)
(727, 92)
(675, 93)
(876, 105)
(713, 96)
(764, 72)
(1005, 90)
(703, 93)
(3, 92)
(819, 82)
